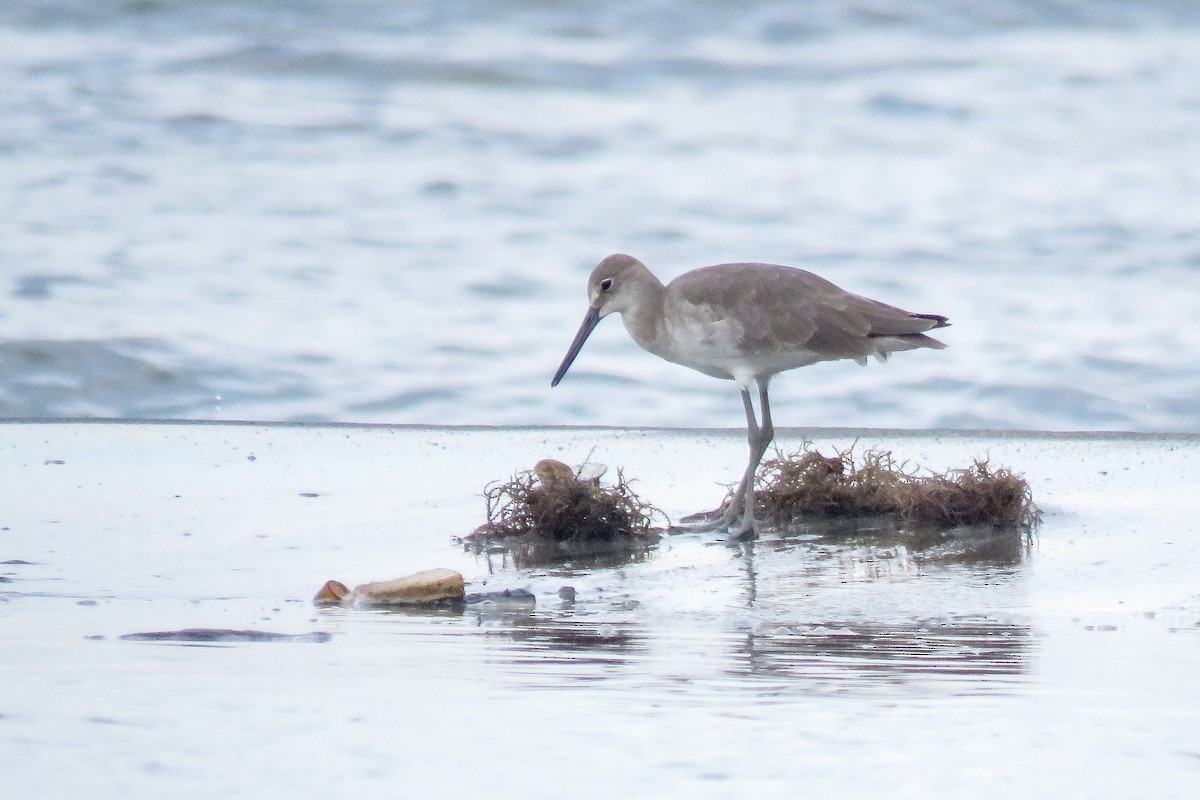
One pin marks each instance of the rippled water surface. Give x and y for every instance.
(831, 663)
(371, 211)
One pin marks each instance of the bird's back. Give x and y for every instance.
(781, 317)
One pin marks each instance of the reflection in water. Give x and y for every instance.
(576, 642)
(808, 570)
(858, 550)
(858, 654)
(975, 657)
(530, 550)
(965, 544)
(825, 607)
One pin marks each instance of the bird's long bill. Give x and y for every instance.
(589, 323)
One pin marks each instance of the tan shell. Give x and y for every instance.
(429, 586)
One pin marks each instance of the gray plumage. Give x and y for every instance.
(747, 322)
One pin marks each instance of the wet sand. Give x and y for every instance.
(833, 661)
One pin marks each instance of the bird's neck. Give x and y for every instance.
(644, 318)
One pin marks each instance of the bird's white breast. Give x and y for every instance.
(713, 343)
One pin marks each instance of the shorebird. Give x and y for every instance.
(746, 322)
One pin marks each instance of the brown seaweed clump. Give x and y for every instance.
(550, 511)
(811, 484)
(977, 495)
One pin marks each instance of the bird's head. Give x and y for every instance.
(613, 286)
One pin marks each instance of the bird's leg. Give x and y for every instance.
(723, 518)
(736, 511)
(759, 438)
(766, 433)
(737, 516)
(741, 505)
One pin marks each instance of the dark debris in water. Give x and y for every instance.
(552, 513)
(809, 484)
(224, 636)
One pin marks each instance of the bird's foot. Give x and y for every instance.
(693, 525)
(718, 519)
(728, 518)
(744, 529)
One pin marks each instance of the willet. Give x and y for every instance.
(746, 322)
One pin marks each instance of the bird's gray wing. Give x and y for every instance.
(788, 308)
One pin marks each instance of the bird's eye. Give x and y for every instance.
(606, 284)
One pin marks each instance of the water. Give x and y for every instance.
(867, 666)
(386, 212)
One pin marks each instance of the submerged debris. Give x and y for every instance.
(553, 512)
(811, 484)
(224, 636)
(503, 599)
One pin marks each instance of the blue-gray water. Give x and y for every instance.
(377, 211)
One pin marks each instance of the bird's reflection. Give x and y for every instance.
(984, 653)
(576, 641)
(876, 549)
(971, 657)
(791, 621)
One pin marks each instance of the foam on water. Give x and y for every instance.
(388, 215)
